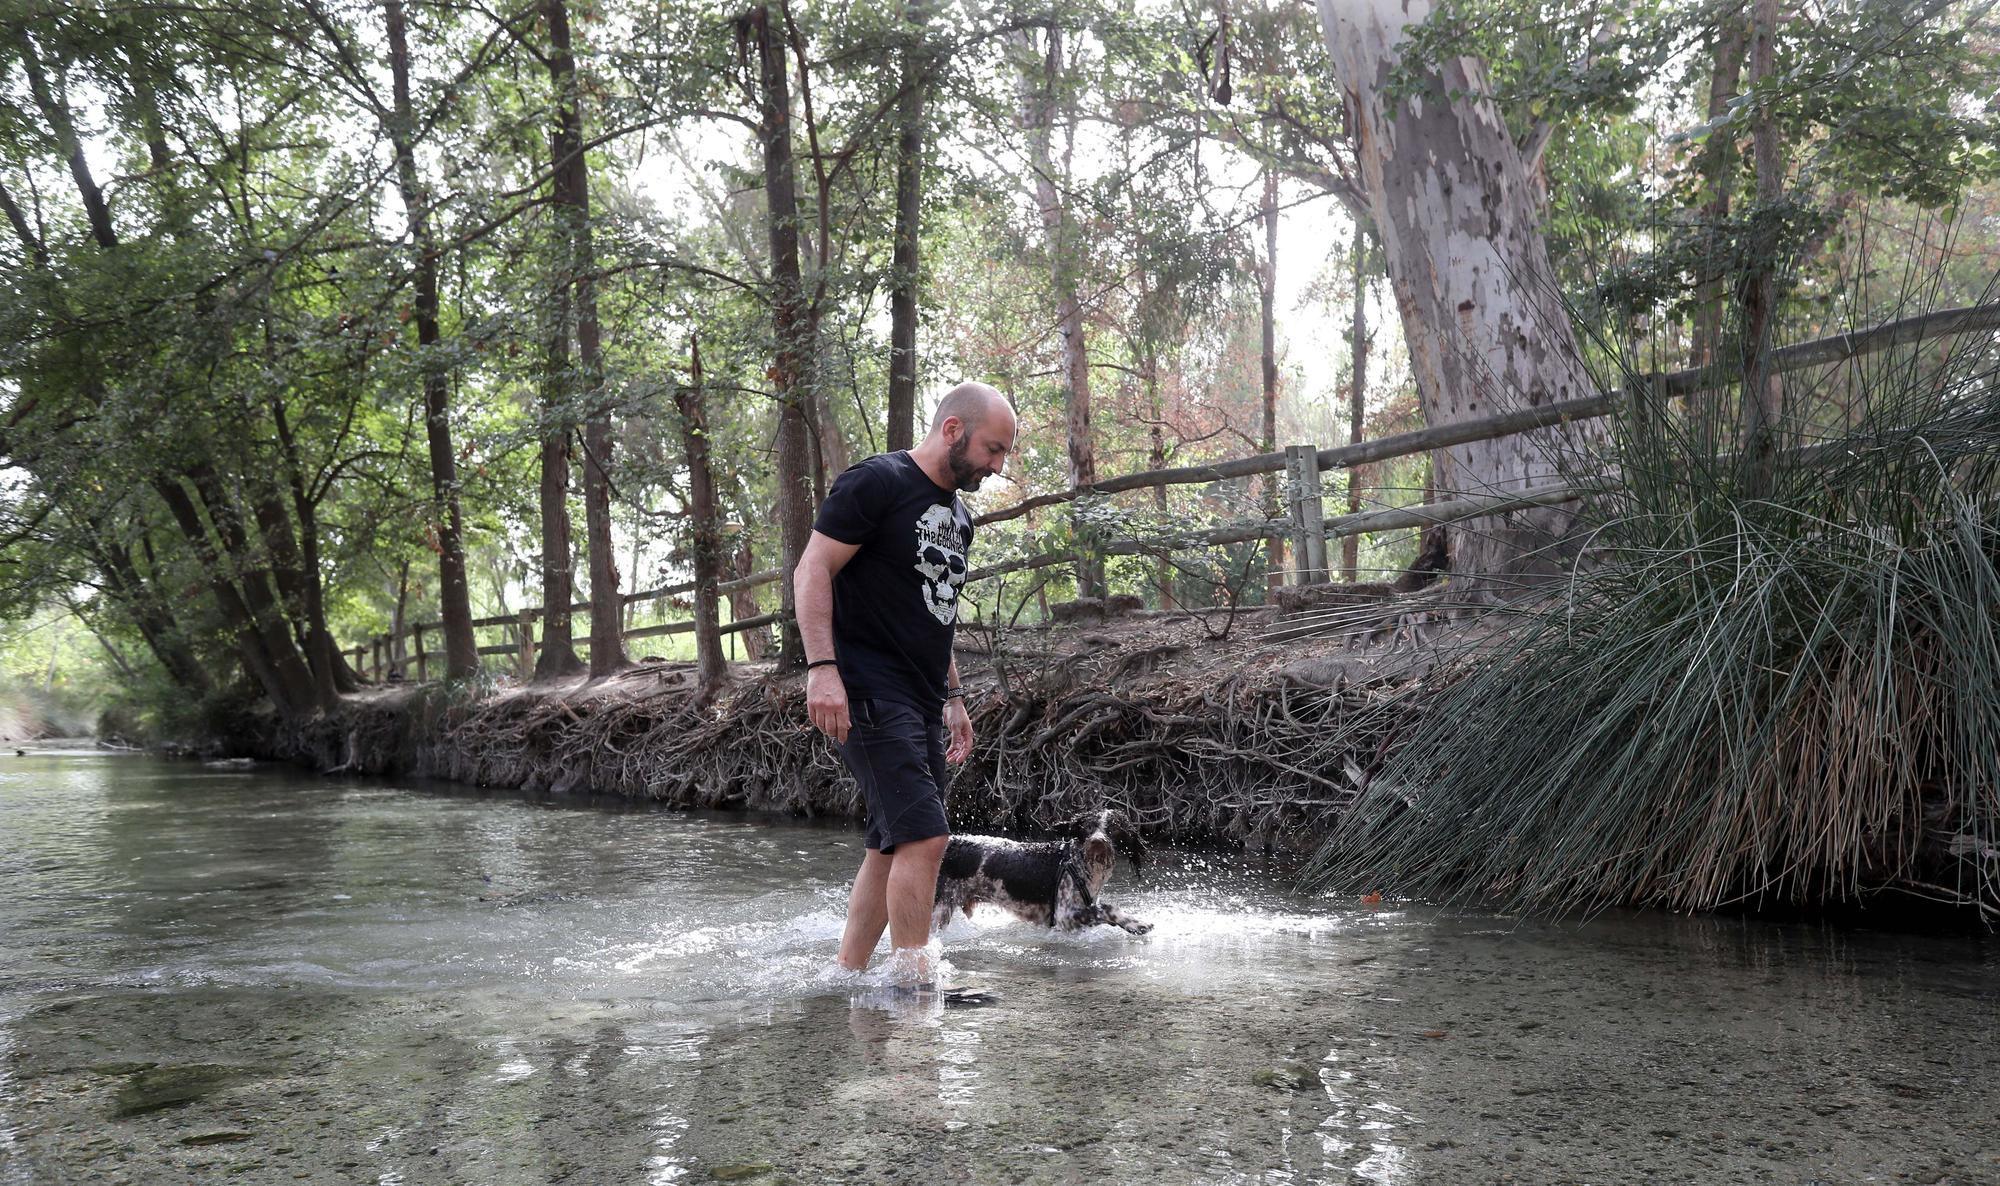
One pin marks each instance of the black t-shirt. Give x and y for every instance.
(895, 602)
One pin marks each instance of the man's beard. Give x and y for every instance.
(964, 474)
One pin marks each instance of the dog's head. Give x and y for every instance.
(1111, 829)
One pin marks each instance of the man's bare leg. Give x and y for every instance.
(867, 911)
(913, 873)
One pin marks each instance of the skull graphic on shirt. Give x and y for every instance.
(940, 561)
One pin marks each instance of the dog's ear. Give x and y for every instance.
(1126, 837)
(1081, 827)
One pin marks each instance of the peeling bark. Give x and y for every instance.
(1455, 212)
(1267, 293)
(1357, 401)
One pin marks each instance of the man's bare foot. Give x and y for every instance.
(909, 967)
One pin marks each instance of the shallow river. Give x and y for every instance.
(224, 976)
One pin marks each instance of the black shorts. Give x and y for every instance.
(896, 754)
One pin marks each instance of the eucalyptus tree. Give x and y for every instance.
(1855, 101)
(1483, 318)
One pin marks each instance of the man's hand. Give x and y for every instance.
(958, 723)
(826, 702)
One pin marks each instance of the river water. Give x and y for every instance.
(213, 975)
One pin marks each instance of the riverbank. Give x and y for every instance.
(1254, 731)
(1201, 728)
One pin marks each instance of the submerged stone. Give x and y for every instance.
(170, 1087)
(1290, 1076)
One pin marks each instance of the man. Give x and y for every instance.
(877, 592)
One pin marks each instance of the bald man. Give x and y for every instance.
(877, 592)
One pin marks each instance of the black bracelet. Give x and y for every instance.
(951, 692)
(820, 663)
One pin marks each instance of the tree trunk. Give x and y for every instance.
(557, 659)
(272, 662)
(572, 209)
(707, 532)
(254, 580)
(1717, 165)
(1267, 294)
(155, 621)
(905, 263)
(331, 674)
(399, 622)
(830, 450)
(1455, 213)
(788, 307)
(1357, 406)
(454, 597)
(744, 604)
(1039, 82)
(1163, 572)
(281, 545)
(1763, 391)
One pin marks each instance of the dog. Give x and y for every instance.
(1051, 882)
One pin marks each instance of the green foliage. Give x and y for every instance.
(245, 335)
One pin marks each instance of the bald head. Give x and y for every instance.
(970, 437)
(971, 402)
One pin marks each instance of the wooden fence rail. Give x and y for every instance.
(1670, 385)
(1304, 524)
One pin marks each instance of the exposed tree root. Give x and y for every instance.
(1194, 740)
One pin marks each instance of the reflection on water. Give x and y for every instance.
(255, 973)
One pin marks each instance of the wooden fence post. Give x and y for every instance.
(1308, 523)
(525, 636)
(378, 670)
(423, 668)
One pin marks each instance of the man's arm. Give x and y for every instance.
(957, 719)
(812, 591)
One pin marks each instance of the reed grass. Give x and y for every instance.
(1791, 698)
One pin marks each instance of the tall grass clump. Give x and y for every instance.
(1786, 698)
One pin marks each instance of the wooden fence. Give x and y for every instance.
(1305, 524)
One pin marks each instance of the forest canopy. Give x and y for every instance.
(326, 318)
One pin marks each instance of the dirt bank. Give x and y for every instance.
(1200, 727)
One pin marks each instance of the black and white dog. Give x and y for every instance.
(1051, 882)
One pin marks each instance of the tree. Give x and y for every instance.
(1484, 321)
(904, 274)
(447, 522)
(572, 199)
(1357, 393)
(706, 528)
(1042, 88)
(788, 310)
